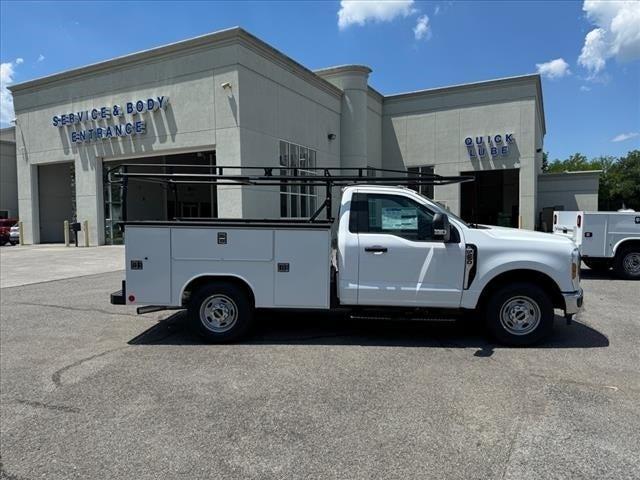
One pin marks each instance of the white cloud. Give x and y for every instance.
(557, 68)
(436, 11)
(6, 100)
(19, 60)
(584, 88)
(617, 34)
(422, 29)
(624, 136)
(359, 12)
(594, 51)
(40, 57)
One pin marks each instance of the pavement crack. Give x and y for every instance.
(76, 309)
(48, 406)
(551, 379)
(512, 443)
(58, 373)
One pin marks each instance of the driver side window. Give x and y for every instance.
(395, 215)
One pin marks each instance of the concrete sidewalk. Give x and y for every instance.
(23, 265)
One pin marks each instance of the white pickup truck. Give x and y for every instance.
(605, 239)
(398, 254)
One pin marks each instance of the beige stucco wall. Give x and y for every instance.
(8, 173)
(275, 105)
(430, 127)
(270, 98)
(572, 190)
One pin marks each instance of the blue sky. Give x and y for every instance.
(591, 90)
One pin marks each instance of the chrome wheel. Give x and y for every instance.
(218, 313)
(631, 263)
(520, 315)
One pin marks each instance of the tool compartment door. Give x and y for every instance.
(594, 235)
(148, 260)
(302, 268)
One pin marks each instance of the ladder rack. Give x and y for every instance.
(328, 177)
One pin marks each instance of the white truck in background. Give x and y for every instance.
(606, 239)
(398, 255)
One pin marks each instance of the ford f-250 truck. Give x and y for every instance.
(398, 254)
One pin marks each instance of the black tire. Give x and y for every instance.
(597, 264)
(13, 243)
(626, 263)
(215, 300)
(522, 300)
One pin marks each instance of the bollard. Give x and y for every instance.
(66, 233)
(85, 227)
(21, 230)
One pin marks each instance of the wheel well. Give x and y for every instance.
(198, 282)
(627, 243)
(530, 276)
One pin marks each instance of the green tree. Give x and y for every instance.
(574, 163)
(545, 162)
(620, 185)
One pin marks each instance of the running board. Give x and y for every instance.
(404, 318)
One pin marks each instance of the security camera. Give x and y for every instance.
(226, 85)
(331, 136)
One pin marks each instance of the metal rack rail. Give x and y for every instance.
(217, 175)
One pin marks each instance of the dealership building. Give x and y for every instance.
(228, 98)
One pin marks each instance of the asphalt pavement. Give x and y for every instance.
(91, 390)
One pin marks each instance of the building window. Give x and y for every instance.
(297, 201)
(426, 190)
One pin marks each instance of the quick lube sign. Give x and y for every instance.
(93, 124)
(493, 145)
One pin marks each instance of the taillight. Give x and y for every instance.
(579, 220)
(574, 270)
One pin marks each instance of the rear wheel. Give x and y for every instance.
(220, 312)
(627, 262)
(520, 314)
(597, 264)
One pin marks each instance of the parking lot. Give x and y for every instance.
(91, 390)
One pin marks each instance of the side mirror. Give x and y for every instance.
(441, 228)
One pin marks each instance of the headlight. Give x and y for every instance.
(575, 264)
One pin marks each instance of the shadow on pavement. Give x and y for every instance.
(588, 274)
(331, 329)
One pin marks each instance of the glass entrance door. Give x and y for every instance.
(113, 213)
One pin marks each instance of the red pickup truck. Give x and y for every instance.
(5, 229)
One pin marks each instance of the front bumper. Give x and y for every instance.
(572, 302)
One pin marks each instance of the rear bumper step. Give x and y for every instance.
(120, 297)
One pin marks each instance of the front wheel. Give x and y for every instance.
(220, 312)
(627, 262)
(520, 314)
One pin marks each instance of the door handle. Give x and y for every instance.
(376, 249)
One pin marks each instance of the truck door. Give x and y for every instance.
(400, 263)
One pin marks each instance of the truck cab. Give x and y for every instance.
(398, 248)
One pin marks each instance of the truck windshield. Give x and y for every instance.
(444, 209)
